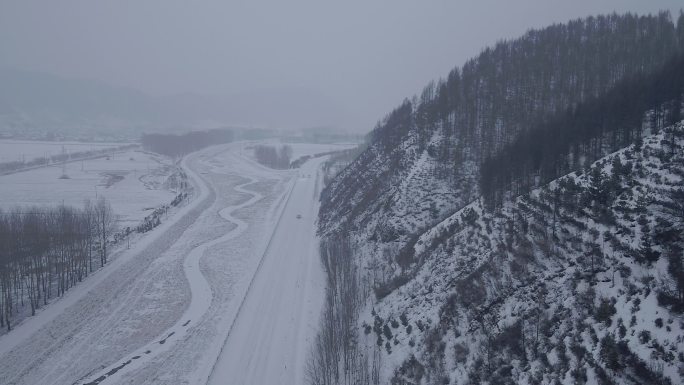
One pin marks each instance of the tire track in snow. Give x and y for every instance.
(206, 377)
(201, 297)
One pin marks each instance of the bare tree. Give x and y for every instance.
(337, 357)
(47, 249)
(105, 224)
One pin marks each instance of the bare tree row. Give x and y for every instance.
(273, 157)
(179, 145)
(337, 357)
(44, 251)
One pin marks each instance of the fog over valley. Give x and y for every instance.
(384, 192)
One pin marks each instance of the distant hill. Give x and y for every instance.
(39, 105)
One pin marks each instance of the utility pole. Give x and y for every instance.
(64, 160)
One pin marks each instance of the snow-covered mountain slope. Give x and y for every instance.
(423, 160)
(438, 289)
(574, 282)
(389, 194)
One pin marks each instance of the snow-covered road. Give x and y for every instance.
(228, 290)
(271, 333)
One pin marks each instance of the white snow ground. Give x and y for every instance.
(137, 189)
(268, 339)
(233, 274)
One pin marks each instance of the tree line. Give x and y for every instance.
(337, 357)
(480, 108)
(582, 134)
(493, 98)
(271, 156)
(178, 145)
(8, 167)
(44, 251)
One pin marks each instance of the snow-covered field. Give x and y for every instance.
(234, 273)
(132, 181)
(18, 150)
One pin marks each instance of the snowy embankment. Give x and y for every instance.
(185, 292)
(199, 288)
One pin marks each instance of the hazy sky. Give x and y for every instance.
(367, 55)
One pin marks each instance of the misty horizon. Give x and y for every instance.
(341, 65)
